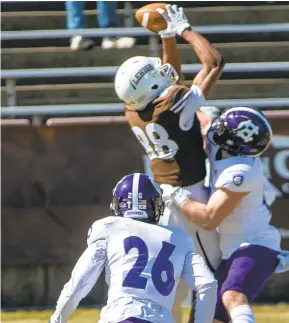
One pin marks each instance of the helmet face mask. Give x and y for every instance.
(139, 80)
(137, 196)
(241, 131)
(158, 206)
(169, 73)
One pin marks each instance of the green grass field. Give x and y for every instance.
(264, 314)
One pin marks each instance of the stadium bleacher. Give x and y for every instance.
(54, 53)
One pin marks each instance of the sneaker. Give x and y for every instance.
(80, 43)
(108, 43)
(125, 42)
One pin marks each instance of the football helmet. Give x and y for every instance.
(137, 196)
(241, 131)
(140, 79)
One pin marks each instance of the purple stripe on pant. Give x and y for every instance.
(245, 271)
(134, 320)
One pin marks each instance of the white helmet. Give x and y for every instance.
(140, 79)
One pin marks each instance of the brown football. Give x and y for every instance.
(150, 19)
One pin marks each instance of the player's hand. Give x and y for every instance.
(176, 20)
(174, 194)
(167, 191)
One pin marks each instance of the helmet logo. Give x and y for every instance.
(246, 130)
(140, 74)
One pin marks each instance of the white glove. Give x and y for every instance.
(176, 20)
(167, 190)
(171, 194)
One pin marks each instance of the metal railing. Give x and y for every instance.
(111, 70)
(140, 32)
(97, 120)
(117, 108)
(12, 75)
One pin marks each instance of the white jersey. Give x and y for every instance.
(249, 222)
(143, 264)
(206, 242)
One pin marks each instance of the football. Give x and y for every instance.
(150, 19)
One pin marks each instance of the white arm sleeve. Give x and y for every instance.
(187, 106)
(84, 276)
(198, 276)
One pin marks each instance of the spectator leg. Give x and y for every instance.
(75, 18)
(107, 16)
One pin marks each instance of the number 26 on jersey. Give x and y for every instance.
(162, 271)
(156, 141)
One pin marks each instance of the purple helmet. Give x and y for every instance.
(241, 131)
(137, 196)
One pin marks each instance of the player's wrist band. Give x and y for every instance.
(188, 28)
(167, 35)
(184, 28)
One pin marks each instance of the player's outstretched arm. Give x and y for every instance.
(210, 58)
(213, 64)
(198, 276)
(232, 185)
(168, 36)
(221, 204)
(84, 276)
(171, 55)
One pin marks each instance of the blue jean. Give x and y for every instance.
(107, 16)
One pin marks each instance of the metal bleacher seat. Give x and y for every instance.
(261, 70)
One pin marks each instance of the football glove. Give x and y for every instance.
(176, 20)
(171, 194)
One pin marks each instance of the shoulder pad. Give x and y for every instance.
(237, 178)
(99, 230)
